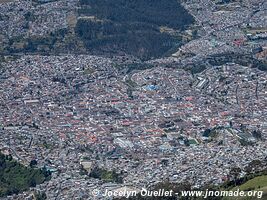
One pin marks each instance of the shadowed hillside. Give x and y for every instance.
(132, 27)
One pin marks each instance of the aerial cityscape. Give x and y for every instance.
(101, 98)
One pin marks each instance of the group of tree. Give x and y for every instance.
(162, 13)
(16, 178)
(244, 60)
(131, 27)
(106, 175)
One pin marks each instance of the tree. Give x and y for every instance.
(257, 134)
(40, 195)
(33, 163)
(234, 174)
(16, 178)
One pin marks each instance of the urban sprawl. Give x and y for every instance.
(73, 113)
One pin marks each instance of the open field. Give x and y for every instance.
(258, 184)
(255, 183)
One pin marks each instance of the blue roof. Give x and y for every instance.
(152, 87)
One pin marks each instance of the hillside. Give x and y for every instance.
(258, 183)
(133, 27)
(141, 28)
(15, 178)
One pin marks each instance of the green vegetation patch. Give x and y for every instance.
(258, 183)
(131, 27)
(161, 12)
(15, 178)
(105, 175)
(245, 60)
(88, 70)
(192, 141)
(254, 184)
